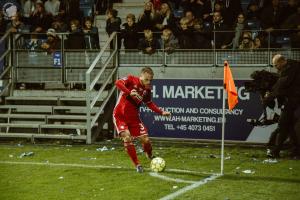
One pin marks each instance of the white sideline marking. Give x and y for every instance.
(190, 187)
(177, 180)
(63, 165)
(94, 166)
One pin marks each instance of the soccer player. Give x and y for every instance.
(134, 92)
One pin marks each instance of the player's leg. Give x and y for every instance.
(129, 147)
(124, 133)
(147, 146)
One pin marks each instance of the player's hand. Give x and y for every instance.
(134, 93)
(165, 113)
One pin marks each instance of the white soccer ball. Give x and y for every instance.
(158, 164)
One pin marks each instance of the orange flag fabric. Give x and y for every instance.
(230, 87)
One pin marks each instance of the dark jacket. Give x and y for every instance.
(288, 84)
(143, 44)
(91, 39)
(130, 36)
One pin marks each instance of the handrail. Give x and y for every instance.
(91, 101)
(5, 35)
(101, 53)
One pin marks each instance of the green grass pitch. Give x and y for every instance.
(80, 172)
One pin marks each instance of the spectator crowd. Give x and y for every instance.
(162, 24)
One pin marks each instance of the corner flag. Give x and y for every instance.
(229, 86)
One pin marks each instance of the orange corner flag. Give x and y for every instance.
(230, 87)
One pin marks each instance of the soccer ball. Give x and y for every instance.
(158, 164)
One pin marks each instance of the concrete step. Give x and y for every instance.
(54, 93)
(27, 108)
(74, 109)
(24, 98)
(22, 116)
(13, 125)
(67, 117)
(62, 126)
(128, 4)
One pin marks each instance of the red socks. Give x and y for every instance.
(129, 147)
(148, 149)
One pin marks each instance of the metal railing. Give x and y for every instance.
(6, 72)
(92, 81)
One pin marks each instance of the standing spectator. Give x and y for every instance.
(295, 38)
(289, 9)
(231, 10)
(240, 26)
(129, 33)
(147, 18)
(246, 42)
(101, 6)
(148, 44)
(113, 24)
(168, 41)
(75, 38)
(185, 35)
(59, 26)
(271, 16)
(199, 37)
(166, 19)
(69, 10)
(52, 7)
(218, 31)
(28, 9)
(40, 19)
(91, 35)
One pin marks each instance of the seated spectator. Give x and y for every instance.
(129, 33)
(165, 19)
(240, 26)
(168, 41)
(113, 24)
(199, 37)
(75, 39)
(200, 8)
(147, 18)
(148, 44)
(218, 7)
(52, 7)
(58, 25)
(259, 42)
(16, 25)
(191, 17)
(156, 4)
(185, 35)
(253, 12)
(91, 35)
(34, 43)
(40, 20)
(246, 42)
(52, 43)
(218, 31)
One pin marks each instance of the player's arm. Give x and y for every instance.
(121, 85)
(156, 109)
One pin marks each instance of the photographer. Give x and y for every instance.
(287, 87)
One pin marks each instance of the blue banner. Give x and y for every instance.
(196, 107)
(57, 59)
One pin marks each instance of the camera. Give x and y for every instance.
(263, 82)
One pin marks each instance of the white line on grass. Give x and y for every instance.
(177, 180)
(62, 165)
(190, 187)
(94, 166)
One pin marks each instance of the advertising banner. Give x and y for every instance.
(196, 107)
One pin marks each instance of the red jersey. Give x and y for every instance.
(128, 106)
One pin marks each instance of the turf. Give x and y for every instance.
(116, 178)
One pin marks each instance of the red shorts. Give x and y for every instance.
(135, 127)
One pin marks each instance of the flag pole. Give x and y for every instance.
(223, 133)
